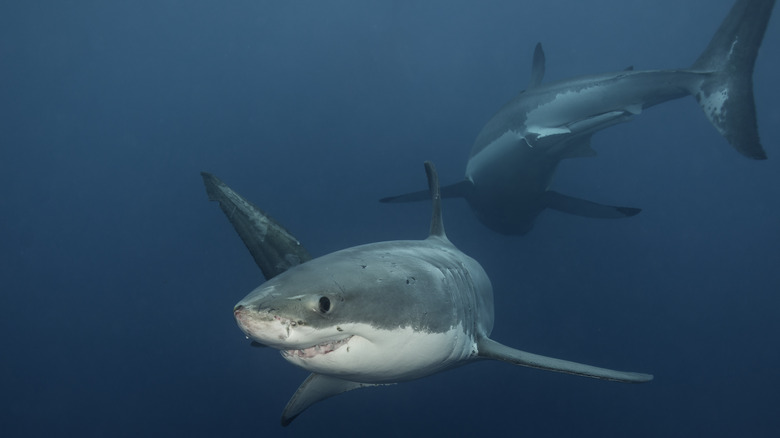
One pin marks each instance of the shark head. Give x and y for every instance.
(370, 313)
(291, 324)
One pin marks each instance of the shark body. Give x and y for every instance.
(373, 314)
(514, 157)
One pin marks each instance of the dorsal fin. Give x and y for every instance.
(537, 67)
(437, 226)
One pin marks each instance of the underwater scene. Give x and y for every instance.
(609, 174)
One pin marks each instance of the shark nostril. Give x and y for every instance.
(237, 310)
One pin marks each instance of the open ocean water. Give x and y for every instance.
(119, 277)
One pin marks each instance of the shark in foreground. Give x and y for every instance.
(373, 314)
(514, 157)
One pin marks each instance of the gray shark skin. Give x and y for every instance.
(274, 249)
(514, 157)
(382, 313)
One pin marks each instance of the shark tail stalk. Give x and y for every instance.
(727, 95)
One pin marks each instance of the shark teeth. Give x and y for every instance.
(323, 348)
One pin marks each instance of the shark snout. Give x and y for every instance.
(239, 313)
(243, 318)
(262, 326)
(246, 323)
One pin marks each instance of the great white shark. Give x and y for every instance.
(374, 314)
(514, 157)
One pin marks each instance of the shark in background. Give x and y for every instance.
(374, 314)
(514, 157)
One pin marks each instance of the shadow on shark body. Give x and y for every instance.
(513, 159)
(373, 314)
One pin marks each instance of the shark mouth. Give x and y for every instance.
(323, 348)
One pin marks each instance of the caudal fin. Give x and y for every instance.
(727, 95)
(274, 249)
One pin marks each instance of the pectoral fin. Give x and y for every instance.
(490, 349)
(460, 189)
(581, 207)
(316, 388)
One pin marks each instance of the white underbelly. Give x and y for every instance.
(386, 356)
(498, 151)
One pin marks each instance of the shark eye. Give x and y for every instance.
(324, 304)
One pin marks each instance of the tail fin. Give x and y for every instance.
(727, 95)
(274, 249)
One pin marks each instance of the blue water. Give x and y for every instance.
(119, 277)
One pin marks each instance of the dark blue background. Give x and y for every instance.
(119, 277)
